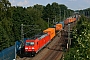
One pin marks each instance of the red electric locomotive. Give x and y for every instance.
(36, 43)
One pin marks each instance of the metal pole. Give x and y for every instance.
(55, 19)
(48, 22)
(60, 15)
(83, 13)
(22, 33)
(67, 45)
(70, 13)
(69, 41)
(22, 38)
(15, 50)
(68, 38)
(88, 14)
(64, 14)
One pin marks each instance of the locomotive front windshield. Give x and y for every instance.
(29, 43)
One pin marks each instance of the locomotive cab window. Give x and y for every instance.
(30, 43)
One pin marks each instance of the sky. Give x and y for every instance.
(71, 4)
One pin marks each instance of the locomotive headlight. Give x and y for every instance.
(26, 48)
(33, 48)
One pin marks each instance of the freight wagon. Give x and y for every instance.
(69, 20)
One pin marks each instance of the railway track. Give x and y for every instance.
(25, 58)
(56, 51)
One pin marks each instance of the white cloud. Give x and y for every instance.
(23, 3)
(13, 2)
(74, 4)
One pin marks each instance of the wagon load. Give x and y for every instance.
(50, 31)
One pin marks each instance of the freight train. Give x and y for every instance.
(36, 43)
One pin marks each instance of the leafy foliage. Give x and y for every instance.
(11, 19)
(85, 12)
(56, 12)
(81, 41)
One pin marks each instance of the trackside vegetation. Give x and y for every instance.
(80, 49)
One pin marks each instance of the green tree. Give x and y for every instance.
(81, 36)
